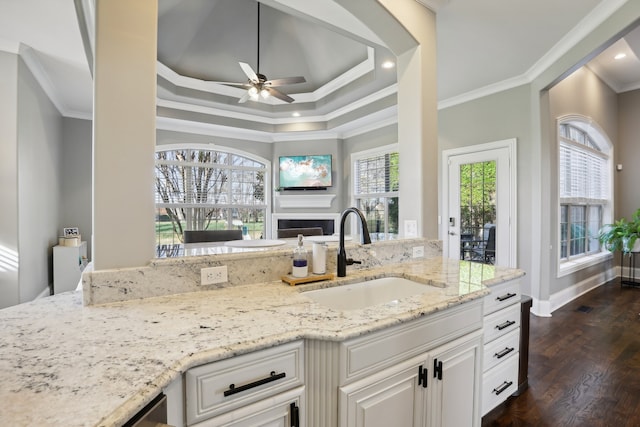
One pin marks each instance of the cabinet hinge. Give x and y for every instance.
(437, 369)
(295, 414)
(423, 376)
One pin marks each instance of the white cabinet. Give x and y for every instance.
(68, 263)
(422, 373)
(265, 386)
(501, 327)
(439, 388)
(393, 397)
(455, 396)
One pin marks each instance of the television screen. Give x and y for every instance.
(300, 172)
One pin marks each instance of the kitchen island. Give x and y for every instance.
(69, 364)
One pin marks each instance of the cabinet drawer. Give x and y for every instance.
(500, 349)
(222, 386)
(502, 295)
(368, 354)
(499, 383)
(501, 323)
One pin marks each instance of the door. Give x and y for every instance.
(479, 210)
(457, 371)
(393, 397)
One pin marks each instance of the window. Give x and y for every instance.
(376, 189)
(209, 189)
(584, 189)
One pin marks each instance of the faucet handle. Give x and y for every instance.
(351, 261)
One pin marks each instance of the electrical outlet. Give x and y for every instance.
(418, 251)
(410, 228)
(213, 275)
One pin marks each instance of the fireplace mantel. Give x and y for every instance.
(305, 200)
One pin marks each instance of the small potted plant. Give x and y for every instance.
(622, 235)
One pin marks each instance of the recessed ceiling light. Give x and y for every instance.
(295, 114)
(620, 56)
(388, 64)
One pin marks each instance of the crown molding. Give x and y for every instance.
(589, 23)
(331, 86)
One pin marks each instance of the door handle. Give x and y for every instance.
(452, 233)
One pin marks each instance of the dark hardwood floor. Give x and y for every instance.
(584, 365)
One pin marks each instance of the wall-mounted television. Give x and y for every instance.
(311, 172)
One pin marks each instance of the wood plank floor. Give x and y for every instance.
(584, 365)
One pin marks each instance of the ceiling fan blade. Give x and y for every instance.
(249, 72)
(245, 84)
(285, 81)
(281, 96)
(244, 98)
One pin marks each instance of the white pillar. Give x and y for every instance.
(124, 132)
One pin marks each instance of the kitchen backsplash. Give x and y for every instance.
(180, 275)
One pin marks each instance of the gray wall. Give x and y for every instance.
(600, 103)
(497, 117)
(628, 154)
(75, 209)
(9, 287)
(39, 141)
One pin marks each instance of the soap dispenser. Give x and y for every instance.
(300, 264)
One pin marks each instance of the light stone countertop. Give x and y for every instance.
(66, 364)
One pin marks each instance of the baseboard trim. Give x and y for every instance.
(545, 308)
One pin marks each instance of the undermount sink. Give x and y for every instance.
(367, 293)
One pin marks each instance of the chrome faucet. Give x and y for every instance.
(343, 261)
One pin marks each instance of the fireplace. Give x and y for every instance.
(328, 222)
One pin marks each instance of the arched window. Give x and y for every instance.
(584, 187)
(205, 188)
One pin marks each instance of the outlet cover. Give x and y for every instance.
(410, 228)
(418, 252)
(213, 275)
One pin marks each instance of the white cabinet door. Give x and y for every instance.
(392, 397)
(455, 387)
(284, 410)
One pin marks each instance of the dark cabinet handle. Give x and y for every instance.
(503, 353)
(295, 415)
(505, 297)
(505, 385)
(272, 377)
(505, 325)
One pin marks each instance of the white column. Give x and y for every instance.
(124, 132)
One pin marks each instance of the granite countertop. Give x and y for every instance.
(65, 364)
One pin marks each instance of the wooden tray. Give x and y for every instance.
(309, 279)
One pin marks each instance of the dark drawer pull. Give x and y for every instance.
(505, 385)
(505, 325)
(504, 352)
(505, 297)
(272, 377)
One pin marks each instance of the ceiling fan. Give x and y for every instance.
(258, 86)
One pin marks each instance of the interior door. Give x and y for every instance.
(481, 202)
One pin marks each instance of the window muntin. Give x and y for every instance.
(205, 189)
(584, 191)
(376, 190)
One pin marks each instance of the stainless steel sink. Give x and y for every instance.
(367, 293)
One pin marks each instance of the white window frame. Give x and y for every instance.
(597, 134)
(232, 151)
(365, 154)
